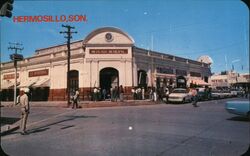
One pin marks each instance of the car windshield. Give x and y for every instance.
(179, 91)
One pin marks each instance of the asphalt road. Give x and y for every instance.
(155, 130)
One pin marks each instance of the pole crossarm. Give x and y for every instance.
(15, 46)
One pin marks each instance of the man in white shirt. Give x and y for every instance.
(25, 108)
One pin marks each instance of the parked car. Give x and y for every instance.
(180, 95)
(234, 92)
(238, 107)
(227, 93)
(203, 94)
(217, 94)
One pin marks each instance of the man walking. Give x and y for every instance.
(75, 99)
(121, 92)
(25, 108)
(195, 98)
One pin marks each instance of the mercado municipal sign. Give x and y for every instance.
(108, 51)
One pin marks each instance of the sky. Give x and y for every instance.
(185, 28)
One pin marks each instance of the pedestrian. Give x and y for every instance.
(116, 93)
(112, 94)
(71, 98)
(143, 93)
(75, 99)
(138, 93)
(195, 98)
(95, 94)
(151, 94)
(166, 94)
(25, 109)
(154, 95)
(133, 93)
(104, 92)
(121, 92)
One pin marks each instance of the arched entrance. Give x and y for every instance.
(109, 77)
(181, 82)
(142, 78)
(73, 80)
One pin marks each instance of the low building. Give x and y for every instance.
(230, 79)
(105, 58)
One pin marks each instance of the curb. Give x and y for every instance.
(87, 104)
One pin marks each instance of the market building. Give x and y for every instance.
(105, 58)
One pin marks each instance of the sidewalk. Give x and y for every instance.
(84, 104)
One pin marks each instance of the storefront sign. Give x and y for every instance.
(108, 51)
(10, 76)
(39, 73)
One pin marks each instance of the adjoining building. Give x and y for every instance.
(105, 58)
(230, 79)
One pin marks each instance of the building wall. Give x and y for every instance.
(149, 61)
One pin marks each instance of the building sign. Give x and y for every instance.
(10, 76)
(108, 51)
(39, 73)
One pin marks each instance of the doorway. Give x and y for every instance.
(109, 77)
(73, 80)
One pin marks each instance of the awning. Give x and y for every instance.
(42, 83)
(200, 82)
(6, 85)
(28, 83)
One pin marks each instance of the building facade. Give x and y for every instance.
(105, 58)
(230, 79)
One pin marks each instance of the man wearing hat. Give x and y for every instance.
(25, 108)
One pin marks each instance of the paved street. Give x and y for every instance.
(152, 130)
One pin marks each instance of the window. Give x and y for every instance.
(181, 72)
(195, 74)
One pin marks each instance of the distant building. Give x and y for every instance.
(229, 79)
(105, 58)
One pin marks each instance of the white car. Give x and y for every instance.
(180, 95)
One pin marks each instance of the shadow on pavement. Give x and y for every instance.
(8, 120)
(5, 120)
(239, 118)
(79, 116)
(10, 133)
(71, 117)
(66, 127)
(37, 130)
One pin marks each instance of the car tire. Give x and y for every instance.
(248, 115)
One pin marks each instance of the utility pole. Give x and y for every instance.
(15, 57)
(68, 37)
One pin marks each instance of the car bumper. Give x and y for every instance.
(175, 99)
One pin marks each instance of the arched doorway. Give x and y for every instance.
(109, 77)
(73, 80)
(181, 82)
(142, 78)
